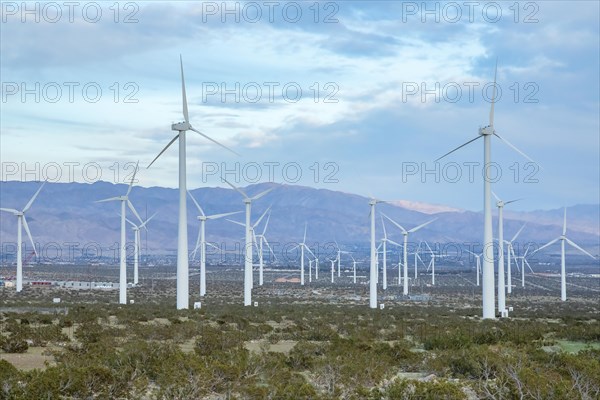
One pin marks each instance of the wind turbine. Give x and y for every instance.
(478, 258)
(303, 246)
(353, 269)
(563, 238)
(385, 240)
(182, 237)
(137, 244)
(501, 279)
(332, 268)
(248, 275)
(201, 241)
(263, 240)
(523, 262)
(22, 222)
(405, 233)
(509, 251)
(123, 250)
(488, 241)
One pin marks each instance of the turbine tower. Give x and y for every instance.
(373, 268)
(488, 241)
(22, 222)
(201, 241)
(248, 278)
(123, 250)
(137, 244)
(405, 251)
(563, 238)
(182, 238)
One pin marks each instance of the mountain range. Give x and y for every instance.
(67, 213)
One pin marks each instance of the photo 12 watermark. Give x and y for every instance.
(268, 92)
(471, 92)
(454, 12)
(69, 92)
(284, 12)
(71, 12)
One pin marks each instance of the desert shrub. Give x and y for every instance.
(14, 344)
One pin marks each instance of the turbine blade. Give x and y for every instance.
(517, 234)
(29, 234)
(496, 196)
(11, 210)
(384, 231)
(266, 223)
(183, 95)
(514, 148)
(109, 199)
(459, 147)
(550, 243)
(304, 239)
(217, 216)
(132, 179)
(236, 222)
(143, 225)
(395, 223)
(565, 222)
(394, 243)
(214, 141)
(531, 269)
(261, 217)
(163, 150)
(310, 251)
(213, 246)
(269, 246)
(132, 208)
(196, 203)
(236, 188)
(127, 220)
(578, 248)
(258, 196)
(493, 96)
(197, 243)
(512, 201)
(33, 198)
(416, 228)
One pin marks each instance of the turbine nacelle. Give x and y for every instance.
(181, 126)
(486, 130)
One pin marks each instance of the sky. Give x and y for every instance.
(359, 97)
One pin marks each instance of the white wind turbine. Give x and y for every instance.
(201, 241)
(431, 263)
(248, 275)
(501, 278)
(488, 241)
(182, 237)
(332, 268)
(509, 251)
(385, 241)
(137, 245)
(22, 222)
(262, 240)
(123, 250)
(405, 233)
(563, 238)
(303, 246)
(478, 258)
(353, 269)
(523, 262)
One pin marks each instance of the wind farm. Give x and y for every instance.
(311, 118)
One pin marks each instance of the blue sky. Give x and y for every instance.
(360, 125)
